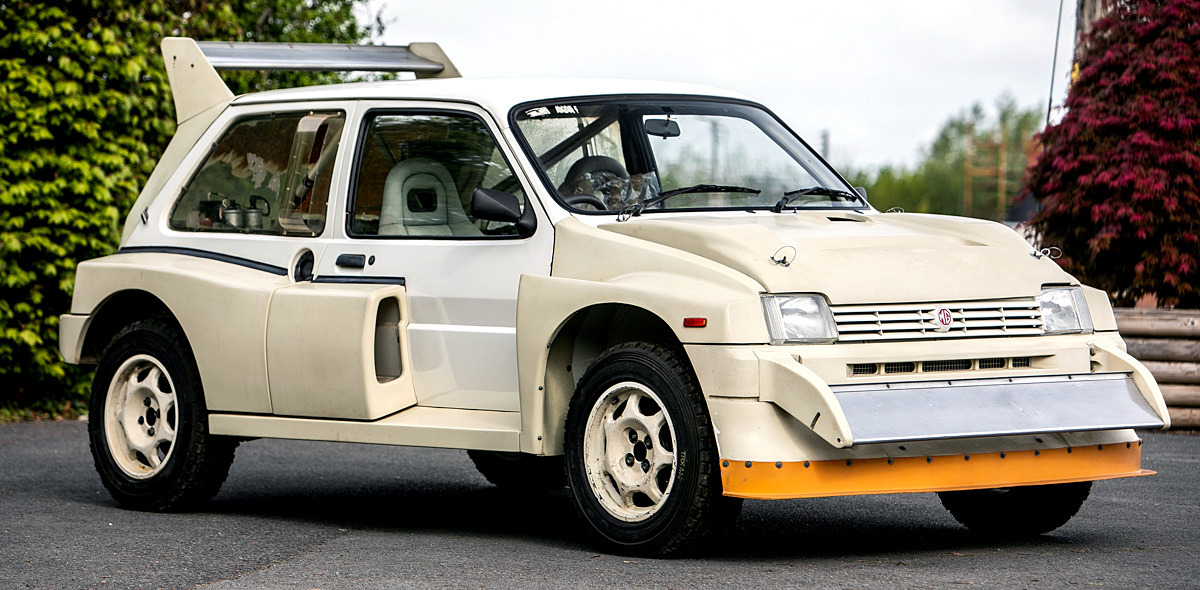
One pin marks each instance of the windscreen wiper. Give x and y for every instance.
(833, 193)
(635, 210)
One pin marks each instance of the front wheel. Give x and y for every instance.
(1024, 511)
(147, 422)
(641, 455)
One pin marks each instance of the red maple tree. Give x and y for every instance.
(1118, 180)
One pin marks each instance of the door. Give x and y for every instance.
(409, 222)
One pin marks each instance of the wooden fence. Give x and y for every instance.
(1168, 343)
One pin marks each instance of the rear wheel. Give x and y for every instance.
(1017, 512)
(641, 454)
(148, 426)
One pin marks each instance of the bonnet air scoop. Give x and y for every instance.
(196, 86)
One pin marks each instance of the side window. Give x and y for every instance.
(266, 175)
(417, 174)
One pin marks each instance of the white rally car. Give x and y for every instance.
(655, 294)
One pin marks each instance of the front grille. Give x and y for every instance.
(864, 369)
(936, 366)
(918, 321)
(899, 367)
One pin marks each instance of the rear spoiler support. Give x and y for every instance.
(196, 86)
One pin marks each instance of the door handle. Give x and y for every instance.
(351, 260)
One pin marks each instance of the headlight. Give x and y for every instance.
(799, 318)
(1065, 311)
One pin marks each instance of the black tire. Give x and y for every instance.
(689, 506)
(185, 471)
(520, 471)
(1025, 511)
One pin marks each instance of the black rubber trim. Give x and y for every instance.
(252, 264)
(360, 280)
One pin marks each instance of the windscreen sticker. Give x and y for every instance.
(560, 109)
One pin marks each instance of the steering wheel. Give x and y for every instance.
(591, 167)
(577, 200)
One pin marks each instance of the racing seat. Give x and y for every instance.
(420, 199)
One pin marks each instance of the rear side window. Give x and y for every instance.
(266, 175)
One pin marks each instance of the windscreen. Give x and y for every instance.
(644, 154)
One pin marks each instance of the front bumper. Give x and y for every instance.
(933, 410)
(797, 422)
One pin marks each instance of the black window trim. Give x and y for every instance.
(360, 145)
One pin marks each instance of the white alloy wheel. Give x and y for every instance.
(629, 452)
(140, 416)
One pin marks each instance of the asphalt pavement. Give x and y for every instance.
(333, 515)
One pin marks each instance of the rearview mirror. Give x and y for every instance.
(662, 128)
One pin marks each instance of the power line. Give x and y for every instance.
(1054, 63)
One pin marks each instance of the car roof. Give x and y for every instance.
(497, 95)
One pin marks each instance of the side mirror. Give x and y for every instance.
(490, 204)
(862, 191)
(662, 128)
(493, 205)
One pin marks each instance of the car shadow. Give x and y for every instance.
(438, 491)
(829, 528)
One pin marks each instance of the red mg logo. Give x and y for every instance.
(942, 319)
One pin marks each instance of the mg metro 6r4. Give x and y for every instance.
(655, 294)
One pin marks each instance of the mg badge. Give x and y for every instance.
(942, 319)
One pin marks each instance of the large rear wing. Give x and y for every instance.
(196, 86)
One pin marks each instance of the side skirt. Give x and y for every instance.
(417, 427)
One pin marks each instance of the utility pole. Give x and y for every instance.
(1002, 173)
(825, 143)
(968, 170)
(986, 169)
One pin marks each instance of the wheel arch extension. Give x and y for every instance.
(115, 312)
(576, 343)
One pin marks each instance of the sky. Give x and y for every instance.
(880, 77)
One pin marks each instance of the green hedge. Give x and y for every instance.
(85, 111)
